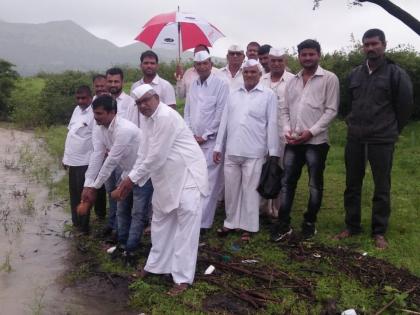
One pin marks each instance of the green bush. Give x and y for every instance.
(25, 100)
(8, 78)
(56, 101)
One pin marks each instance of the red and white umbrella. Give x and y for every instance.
(178, 30)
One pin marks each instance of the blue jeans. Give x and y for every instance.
(295, 157)
(110, 184)
(132, 216)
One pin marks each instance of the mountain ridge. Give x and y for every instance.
(57, 46)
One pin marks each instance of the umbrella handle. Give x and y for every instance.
(179, 41)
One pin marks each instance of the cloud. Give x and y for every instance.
(279, 23)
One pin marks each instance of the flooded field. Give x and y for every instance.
(35, 246)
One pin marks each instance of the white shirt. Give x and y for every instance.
(78, 146)
(162, 87)
(204, 106)
(169, 155)
(278, 88)
(234, 82)
(249, 124)
(183, 85)
(121, 140)
(311, 106)
(124, 102)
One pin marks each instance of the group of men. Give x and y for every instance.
(153, 162)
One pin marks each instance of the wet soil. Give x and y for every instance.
(35, 244)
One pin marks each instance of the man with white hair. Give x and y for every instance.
(276, 80)
(184, 79)
(171, 157)
(203, 111)
(248, 131)
(232, 72)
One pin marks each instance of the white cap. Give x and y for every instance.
(201, 56)
(139, 91)
(235, 48)
(252, 63)
(277, 52)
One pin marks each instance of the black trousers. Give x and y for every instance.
(295, 157)
(76, 181)
(380, 157)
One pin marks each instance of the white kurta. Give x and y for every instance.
(235, 82)
(272, 206)
(121, 140)
(124, 102)
(183, 85)
(78, 146)
(202, 114)
(162, 87)
(172, 158)
(249, 131)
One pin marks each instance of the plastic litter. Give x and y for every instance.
(111, 249)
(350, 311)
(249, 261)
(316, 255)
(209, 270)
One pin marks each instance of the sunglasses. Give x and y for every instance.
(236, 53)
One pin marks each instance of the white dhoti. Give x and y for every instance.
(242, 200)
(215, 175)
(175, 237)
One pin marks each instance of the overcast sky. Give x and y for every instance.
(281, 23)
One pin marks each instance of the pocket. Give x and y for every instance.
(381, 91)
(355, 89)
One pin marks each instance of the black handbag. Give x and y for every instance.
(270, 180)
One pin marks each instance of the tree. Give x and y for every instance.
(391, 8)
(8, 78)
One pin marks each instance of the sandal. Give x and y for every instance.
(245, 237)
(140, 274)
(223, 231)
(177, 289)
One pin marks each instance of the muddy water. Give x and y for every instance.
(34, 246)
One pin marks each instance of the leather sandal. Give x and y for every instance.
(177, 289)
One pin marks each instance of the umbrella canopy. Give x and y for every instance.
(178, 30)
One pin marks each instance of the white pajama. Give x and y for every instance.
(215, 175)
(175, 237)
(242, 200)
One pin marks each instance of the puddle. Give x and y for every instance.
(34, 246)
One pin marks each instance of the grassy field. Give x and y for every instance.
(330, 282)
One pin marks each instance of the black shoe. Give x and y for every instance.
(117, 253)
(107, 231)
(131, 259)
(308, 230)
(281, 233)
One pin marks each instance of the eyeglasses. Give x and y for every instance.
(235, 53)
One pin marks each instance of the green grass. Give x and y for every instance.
(149, 296)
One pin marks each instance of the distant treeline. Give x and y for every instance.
(48, 99)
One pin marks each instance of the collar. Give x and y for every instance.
(205, 83)
(121, 96)
(158, 109)
(319, 72)
(258, 87)
(379, 65)
(113, 124)
(155, 80)
(86, 110)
